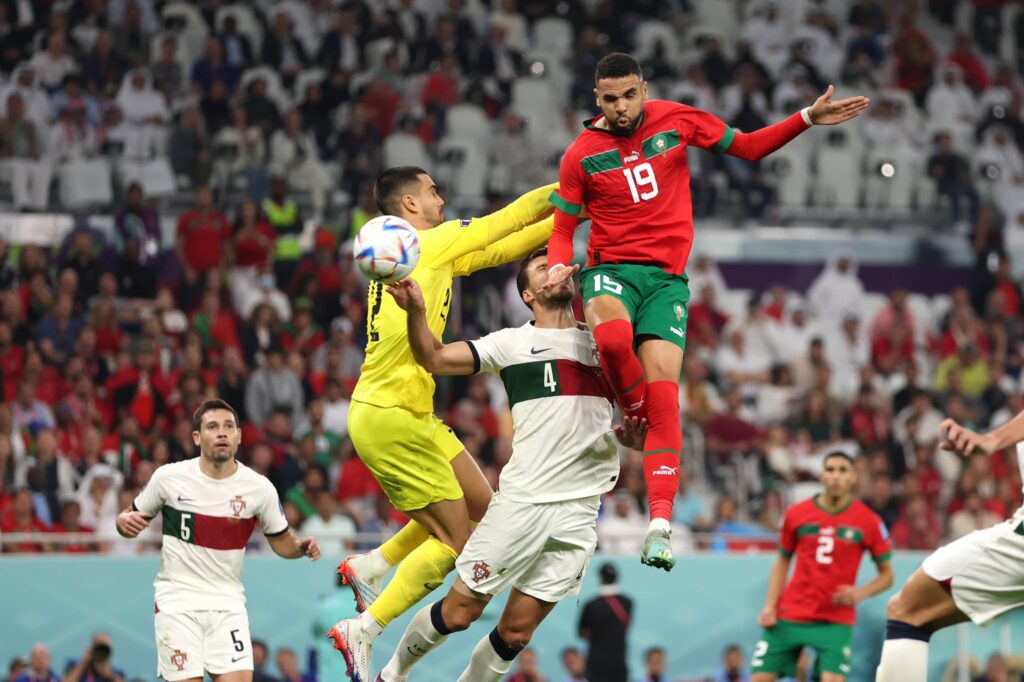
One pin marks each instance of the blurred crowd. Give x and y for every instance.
(265, 124)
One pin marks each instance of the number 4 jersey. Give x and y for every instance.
(563, 448)
(637, 187)
(828, 550)
(206, 525)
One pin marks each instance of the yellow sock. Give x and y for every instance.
(419, 574)
(402, 543)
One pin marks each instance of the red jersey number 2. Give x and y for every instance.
(643, 186)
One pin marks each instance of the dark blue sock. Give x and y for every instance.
(501, 646)
(437, 621)
(897, 629)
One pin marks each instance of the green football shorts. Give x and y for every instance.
(655, 299)
(780, 647)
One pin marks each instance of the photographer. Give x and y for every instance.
(95, 663)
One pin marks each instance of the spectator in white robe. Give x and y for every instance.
(37, 103)
(836, 290)
(74, 148)
(142, 133)
(294, 155)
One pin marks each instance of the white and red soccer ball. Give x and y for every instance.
(386, 249)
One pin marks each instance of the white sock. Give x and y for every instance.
(378, 563)
(659, 524)
(370, 625)
(485, 665)
(903, 660)
(420, 638)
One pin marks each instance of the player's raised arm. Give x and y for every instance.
(760, 143)
(514, 247)
(437, 358)
(568, 201)
(456, 239)
(964, 441)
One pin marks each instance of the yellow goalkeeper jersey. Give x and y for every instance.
(390, 376)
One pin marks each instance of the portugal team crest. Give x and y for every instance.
(481, 571)
(237, 505)
(178, 658)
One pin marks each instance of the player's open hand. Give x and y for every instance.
(407, 294)
(558, 275)
(130, 523)
(825, 112)
(310, 547)
(631, 432)
(846, 595)
(767, 618)
(962, 440)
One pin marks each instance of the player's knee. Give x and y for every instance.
(613, 339)
(517, 633)
(461, 618)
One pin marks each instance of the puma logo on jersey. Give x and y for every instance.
(635, 156)
(677, 331)
(665, 470)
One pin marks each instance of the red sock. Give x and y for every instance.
(621, 366)
(663, 447)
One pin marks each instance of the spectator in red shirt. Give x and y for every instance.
(775, 305)
(12, 356)
(964, 56)
(705, 322)
(22, 519)
(729, 432)
(302, 335)
(216, 327)
(70, 522)
(204, 240)
(255, 240)
(320, 277)
(916, 528)
(864, 421)
(442, 87)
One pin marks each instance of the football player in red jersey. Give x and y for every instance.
(629, 168)
(828, 534)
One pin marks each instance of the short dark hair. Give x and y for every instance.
(838, 453)
(653, 650)
(617, 65)
(609, 574)
(209, 406)
(391, 184)
(522, 277)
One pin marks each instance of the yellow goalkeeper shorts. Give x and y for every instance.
(409, 453)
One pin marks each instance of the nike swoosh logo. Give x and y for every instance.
(236, 660)
(185, 499)
(430, 587)
(534, 351)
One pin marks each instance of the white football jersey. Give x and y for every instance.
(206, 525)
(563, 447)
(1019, 514)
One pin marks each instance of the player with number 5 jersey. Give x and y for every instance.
(629, 168)
(828, 534)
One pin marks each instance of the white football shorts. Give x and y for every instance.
(985, 570)
(188, 644)
(540, 549)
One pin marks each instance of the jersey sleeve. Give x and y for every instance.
(152, 497)
(491, 352)
(701, 129)
(877, 540)
(787, 535)
(514, 247)
(271, 512)
(455, 239)
(568, 202)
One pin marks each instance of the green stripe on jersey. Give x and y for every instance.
(599, 163)
(724, 143)
(659, 143)
(808, 529)
(850, 534)
(531, 380)
(882, 558)
(564, 206)
(211, 532)
(179, 524)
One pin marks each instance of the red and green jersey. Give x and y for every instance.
(828, 549)
(637, 187)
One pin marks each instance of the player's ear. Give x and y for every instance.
(195, 438)
(529, 298)
(643, 89)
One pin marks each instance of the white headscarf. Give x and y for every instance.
(139, 104)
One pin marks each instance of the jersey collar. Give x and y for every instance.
(837, 512)
(589, 125)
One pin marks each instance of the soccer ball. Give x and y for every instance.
(386, 249)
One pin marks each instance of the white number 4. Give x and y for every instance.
(639, 177)
(549, 377)
(826, 543)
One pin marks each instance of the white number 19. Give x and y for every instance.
(639, 177)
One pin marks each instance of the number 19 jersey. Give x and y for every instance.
(828, 550)
(636, 187)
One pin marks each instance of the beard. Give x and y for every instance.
(220, 455)
(559, 298)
